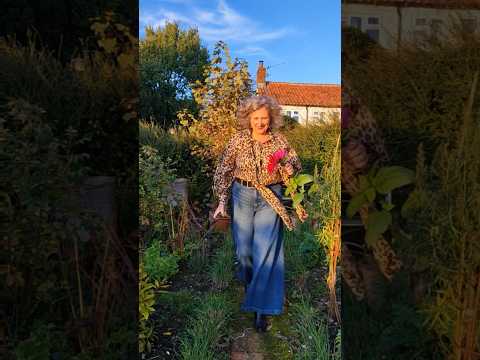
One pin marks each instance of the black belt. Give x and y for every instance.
(250, 183)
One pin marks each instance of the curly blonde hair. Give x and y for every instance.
(254, 103)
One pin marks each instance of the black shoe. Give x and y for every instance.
(261, 324)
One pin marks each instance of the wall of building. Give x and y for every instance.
(311, 113)
(415, 22)
(387, 21)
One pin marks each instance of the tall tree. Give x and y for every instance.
(170, 60)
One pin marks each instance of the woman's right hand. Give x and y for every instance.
(220, 210)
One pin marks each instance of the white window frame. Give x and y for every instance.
(366, 26)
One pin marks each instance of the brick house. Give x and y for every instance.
(306, 103)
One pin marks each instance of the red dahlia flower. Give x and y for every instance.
(274, 159)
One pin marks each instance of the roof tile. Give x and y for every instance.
(321, 95)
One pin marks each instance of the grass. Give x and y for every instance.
(307, 327)
(221, 270)
(312, 333)
(301, 254)
(177, 303)
(206, 328)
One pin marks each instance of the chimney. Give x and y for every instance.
(261, 76)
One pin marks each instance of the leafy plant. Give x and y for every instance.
(146, 302)
(296, 187)
(325, 208)
(158, 264)
(154, 180)
(381, 181)
(37, 346)
(174, 147)
(227, 82)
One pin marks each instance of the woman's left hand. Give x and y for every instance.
(289, 169)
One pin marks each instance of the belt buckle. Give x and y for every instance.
(244, 183)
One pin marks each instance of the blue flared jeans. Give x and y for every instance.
(258, 238)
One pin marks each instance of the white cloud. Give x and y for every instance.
(160, 17)
(253, 50)
(221, 23)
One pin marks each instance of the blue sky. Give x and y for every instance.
(300, 39)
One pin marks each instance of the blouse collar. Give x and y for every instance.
(270, 137)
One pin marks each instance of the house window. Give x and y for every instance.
(356, 22)
(373, 34)
(370, 25)
(373, 28)
(318, 117)
(289, 113)
(469, 25)
(295, 115)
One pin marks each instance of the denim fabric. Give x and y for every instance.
(258, 238)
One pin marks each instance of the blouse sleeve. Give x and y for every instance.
(223, 177)
(292, 157)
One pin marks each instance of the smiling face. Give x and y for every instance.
(260, 121)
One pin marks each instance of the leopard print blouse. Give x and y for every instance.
(247, 159)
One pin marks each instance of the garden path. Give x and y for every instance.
(248, 344)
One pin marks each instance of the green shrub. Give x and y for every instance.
(38, 345)
(314, 144)
(175, 148)
(91, 98)
(415, 94)
(146, 303)
(159, 265)
(154, 180)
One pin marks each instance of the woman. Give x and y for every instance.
(248, 171)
